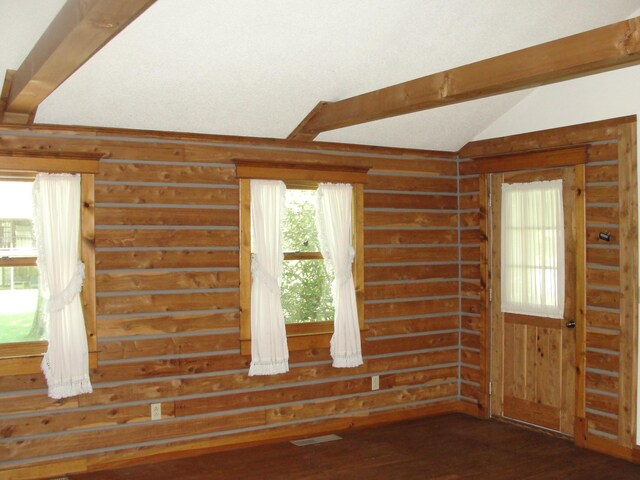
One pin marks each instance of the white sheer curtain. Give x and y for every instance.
(333, 219)
(57, 227)
(269, 350)
(532, 236)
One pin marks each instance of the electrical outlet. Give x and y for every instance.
(375, 382)
(156, 411)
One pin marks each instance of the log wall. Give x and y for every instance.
(607, 370)
(167, 243)
(167, 278)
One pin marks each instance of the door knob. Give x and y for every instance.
(571, 324)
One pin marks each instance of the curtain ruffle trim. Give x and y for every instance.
(347, 361)
(320, 227)
(60, 300)
(269, 368)
(68, 388)
(322, 235)
(259, 272)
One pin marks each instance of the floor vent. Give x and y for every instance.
(315, 440)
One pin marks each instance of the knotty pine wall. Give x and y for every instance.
(167, 244)
(607, 388)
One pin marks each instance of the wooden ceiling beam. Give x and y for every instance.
(81, 28)
(606, 48)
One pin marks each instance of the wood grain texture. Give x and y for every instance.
(394, 200)
(151, 352)
(602, 257)
(164, 280)
(118, 193)
(87, 254)
(78, 31)
(394, 236)
(409, 219)
(582, 281)
(523, 161)
(192, 355)
(593, 51)
(627, 157)
(586, 133)
(59, 162)
(166, 259)
(300, 174)
(226, 217)
(169, 323)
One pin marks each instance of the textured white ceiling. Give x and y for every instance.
(256, 68)
(21, 24)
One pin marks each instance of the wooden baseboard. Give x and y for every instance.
(469, 408)
(131, 457)
(608, 447)
(45, 470)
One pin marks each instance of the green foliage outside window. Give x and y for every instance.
(20, 302)
(305, 286)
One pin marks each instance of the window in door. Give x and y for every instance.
(533, 249)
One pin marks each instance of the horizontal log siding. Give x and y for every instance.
(604, 296)
(168, 311)
(411, 266)
(602, 287)
(471, 355)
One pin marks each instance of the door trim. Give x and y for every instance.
(488, 265)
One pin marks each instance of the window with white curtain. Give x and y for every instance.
(44, 314)
(322, 236)
(532, 249)
(302, 259)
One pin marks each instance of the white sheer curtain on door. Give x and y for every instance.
(532, 249)
(57, 226)
(333, 219)
(269, 350)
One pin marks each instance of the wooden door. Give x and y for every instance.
(534, 358)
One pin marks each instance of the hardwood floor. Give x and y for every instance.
(448, 447)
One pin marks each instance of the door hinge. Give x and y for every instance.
(490, 200)
(490, 388)
(490, 294)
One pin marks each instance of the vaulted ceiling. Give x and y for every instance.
(256, 68)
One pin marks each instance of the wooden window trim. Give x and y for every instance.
(30, 162)
(316, 334)
(559, 157)
(26, 357)
(17, 261)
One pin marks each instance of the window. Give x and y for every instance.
(305, 286)
(533, 249)
(22, 338)
(20, 304)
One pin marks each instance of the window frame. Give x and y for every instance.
(298, 176)
(21, 358)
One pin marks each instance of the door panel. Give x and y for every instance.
(533, 358)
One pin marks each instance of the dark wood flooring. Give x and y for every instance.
(448, 447)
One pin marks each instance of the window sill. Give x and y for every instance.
(302, 336)
(28, 360)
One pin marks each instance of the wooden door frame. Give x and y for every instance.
(496, 339)
(594, 136)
